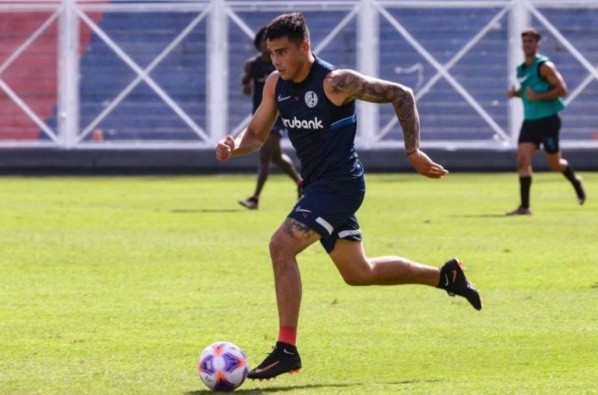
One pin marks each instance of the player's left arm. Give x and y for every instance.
(344, 86)
(549, 72)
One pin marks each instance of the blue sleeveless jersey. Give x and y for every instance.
(321, 132)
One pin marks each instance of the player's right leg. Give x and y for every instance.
(284, 358)
(290, 239)
(322, 209)
(525, 155)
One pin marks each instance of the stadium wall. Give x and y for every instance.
(102, 85)
(48, 161)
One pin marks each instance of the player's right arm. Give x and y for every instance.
(256, 132)
(513, 92)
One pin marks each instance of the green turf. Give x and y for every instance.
(114, 285)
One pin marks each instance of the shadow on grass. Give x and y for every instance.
(482, 216)
(204, 210)
(258, 391)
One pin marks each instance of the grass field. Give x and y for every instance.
(114, 285)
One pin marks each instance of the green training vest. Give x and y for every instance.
(529, 77)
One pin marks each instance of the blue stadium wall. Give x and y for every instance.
(182, 75)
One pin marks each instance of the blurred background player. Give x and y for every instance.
(541, 89)
(256, 71)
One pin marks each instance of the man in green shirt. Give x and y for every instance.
(541, 90)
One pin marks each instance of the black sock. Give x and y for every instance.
(525, 184)
(569, 174)
(290, 346)
(444, 279)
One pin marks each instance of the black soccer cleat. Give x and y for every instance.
(581, 193)
(453, 280)
(520, 211)
(250, 203)
(284, 358)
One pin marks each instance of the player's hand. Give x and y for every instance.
(224, 149)
(531, 94)
(512, 92)
(425, 166)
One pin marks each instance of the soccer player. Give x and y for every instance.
(256, 71)
(316, 102)
(541, 89)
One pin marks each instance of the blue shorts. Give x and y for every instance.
(328, 207)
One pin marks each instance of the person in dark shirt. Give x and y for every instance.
(256, 70)
(316, 103)
(541, 90)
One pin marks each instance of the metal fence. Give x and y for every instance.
(166, 74)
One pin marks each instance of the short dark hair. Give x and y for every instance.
(291, 26)
(531, 32)
(257, 40)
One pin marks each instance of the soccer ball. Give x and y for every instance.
(223, 366)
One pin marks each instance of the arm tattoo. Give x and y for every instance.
(296, 229)
(406, 111)
(381, 91)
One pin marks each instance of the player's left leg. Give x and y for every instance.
(557, 163)
(356, 269)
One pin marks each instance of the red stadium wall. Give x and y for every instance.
(33, 75)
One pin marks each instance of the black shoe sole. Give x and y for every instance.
(260, 378)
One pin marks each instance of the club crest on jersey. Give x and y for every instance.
(311, 99)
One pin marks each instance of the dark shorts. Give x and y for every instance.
(328, 207)
(543, 131)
